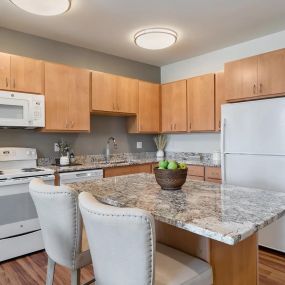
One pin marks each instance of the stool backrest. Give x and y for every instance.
(121, 240)
(60, 221)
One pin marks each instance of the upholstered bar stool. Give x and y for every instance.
(124, 252)
(60, 220)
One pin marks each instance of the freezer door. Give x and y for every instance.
(266, 172)
(257, 171)
(256, 127)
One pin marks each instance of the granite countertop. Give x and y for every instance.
(103, 165)
(224, 213)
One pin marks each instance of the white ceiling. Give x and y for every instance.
(109, 25)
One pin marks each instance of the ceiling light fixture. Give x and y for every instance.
(43, 7)
(155, 38)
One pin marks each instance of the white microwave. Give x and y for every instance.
(22, 110)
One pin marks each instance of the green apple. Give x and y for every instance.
(163, 164)
(182, 165)
(172, 165)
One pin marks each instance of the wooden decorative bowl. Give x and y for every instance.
(169, 179)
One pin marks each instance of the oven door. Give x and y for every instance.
(18, 214)
(14, 112)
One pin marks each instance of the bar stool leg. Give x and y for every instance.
(75, 277)
(50, 271)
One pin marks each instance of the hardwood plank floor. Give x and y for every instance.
(31, 270)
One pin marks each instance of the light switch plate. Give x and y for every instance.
(139, 144)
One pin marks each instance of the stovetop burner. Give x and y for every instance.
(32, 169)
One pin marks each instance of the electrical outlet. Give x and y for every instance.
(139, 144)
(56, 147)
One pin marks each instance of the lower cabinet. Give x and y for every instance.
(208, 173)
(125, 170)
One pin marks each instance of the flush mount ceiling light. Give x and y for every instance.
(43, 7)
(155, 38)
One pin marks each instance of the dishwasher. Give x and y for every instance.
(80, 176)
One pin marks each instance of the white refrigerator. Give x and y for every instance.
(253, 154)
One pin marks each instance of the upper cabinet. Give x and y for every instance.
(220, 98)
(21, 74)
(173, 107)
(148, 117)
(254, 77)
(201, 103)
(4, 71)
(67, 92)
(114, 94)
(271, 73)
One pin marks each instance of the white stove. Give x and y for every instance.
(19, 225)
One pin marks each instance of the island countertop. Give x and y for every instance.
(224, 213)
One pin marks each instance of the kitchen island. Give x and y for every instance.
(218, 223)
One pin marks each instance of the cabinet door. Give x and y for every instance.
(241, 79)
(4, 71)
(26, 74)
(148, 117)
(174, 110)
(57, 79)
(127, 95)
(271, 72)
(78, 104)
(201, 103)
(219, 98)
(104, 88)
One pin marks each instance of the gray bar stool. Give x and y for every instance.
(124, 251)
(61, 225)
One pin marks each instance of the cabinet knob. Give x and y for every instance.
(114, 108)
(7, 83)
(260, 88)
(14, 83)
(254, 89)
(174, 126)
(190, 126)
(219, 124)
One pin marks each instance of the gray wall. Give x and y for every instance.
(102, 127)
(84, 143)
(36, 47)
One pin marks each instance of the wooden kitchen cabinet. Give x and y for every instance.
(219, 98)
(27, 74)
(201, 103)
(174, 107)
(241, 79)
(67, 98)
(271, 73)
(4, 71)
(148, 117)
(127, 95)
(256, 77)
(213, 174)
(125, 170)
(196, 172)
(114, 94)
(104, 88)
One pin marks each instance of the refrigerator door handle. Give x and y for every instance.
(223, 130)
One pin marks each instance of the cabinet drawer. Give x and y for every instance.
(200, 178)
(125, 170)
(196, 170)
(212, 173)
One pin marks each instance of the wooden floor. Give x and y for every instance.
(31, 270)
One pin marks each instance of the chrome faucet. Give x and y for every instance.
(108, 147)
